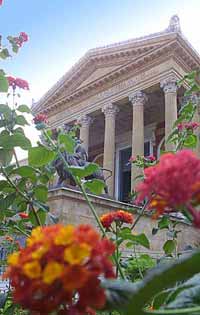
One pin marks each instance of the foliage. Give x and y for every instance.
(172, 288)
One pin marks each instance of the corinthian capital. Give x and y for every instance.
(169, 85)
(110, 109)
(138, 98)
(84, 120)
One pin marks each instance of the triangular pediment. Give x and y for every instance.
(104, 64)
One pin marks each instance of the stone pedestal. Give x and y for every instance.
(109, 111)
(138, 100)
(169, 87)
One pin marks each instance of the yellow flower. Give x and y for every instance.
(77, 253)
(32, 269)
(13, 259)
(65, 235)
(52, 271)
(36, 236)
(38, 253)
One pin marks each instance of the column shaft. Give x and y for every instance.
(85, 122)
(110, 111)
(138, 100)
(170, 90)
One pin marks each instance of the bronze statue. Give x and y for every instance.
(78, 158)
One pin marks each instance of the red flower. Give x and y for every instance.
(173, 183)
(61, 265)
(40, 118)
(23, 215)
(119, 216)
(17, 82)
(1, 2)
(23, 36)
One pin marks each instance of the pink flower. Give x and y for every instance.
(151, 158)
(22, 84)
(17, 82)
(188, 125)
(1, 2)
(40, 118)
(23, 36)
(172, 183)
(132, 159)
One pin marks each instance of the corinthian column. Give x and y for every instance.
(85, 122)
(109, 111)
(169, 87)
(138, 100)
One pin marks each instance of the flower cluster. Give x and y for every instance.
(59, 270)
(40, 121)
(188, 126)
(20, 40)
(119, 216)
(172, 184)
(17, 82)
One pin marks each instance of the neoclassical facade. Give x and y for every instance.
(125, 97)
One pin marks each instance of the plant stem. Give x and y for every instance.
(22, 195)
(137, 262)
(140, 214)
(189, 310)
(82, 188)
(21, 231)
(16, 159)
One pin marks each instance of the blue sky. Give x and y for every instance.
(62, 31)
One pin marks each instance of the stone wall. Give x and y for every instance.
(70, 206)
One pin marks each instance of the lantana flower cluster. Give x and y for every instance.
(17, 82)
(188, 126)
(173, 184)
(19, 40)
(142, 161)
(119, 217)
(59, 270)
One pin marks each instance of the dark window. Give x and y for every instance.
(125, 171)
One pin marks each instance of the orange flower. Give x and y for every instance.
(119, 216)
(58, 264)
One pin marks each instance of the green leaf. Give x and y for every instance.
(186, 295)
(169, 247)
(6, 202)
(190, 141)
(67, 142)
(23, 109)
(142, 240)
(41, 193)
(4, 53)
(164, 223)
(39, 156)
(5, 109)
(82, 172)
(25, 171)
(41, 214)
(17, 140)
(3, 82)
(6, 157)
(96, 186)
(21, 120)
